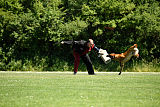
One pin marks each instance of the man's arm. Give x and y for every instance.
(67, 42)
(96, 48)
(71, 42)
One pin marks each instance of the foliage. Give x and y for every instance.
(31, 29)
(132, 23)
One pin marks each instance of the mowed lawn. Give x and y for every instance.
(31, 89)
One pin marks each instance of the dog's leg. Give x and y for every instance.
(122, 66)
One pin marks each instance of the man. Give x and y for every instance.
(80, 50)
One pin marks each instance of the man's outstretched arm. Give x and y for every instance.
(96, 48)
(67, 42)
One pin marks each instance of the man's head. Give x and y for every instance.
(90, 43)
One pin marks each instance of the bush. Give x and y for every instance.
(30, 30)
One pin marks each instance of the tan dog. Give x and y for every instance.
(126, 56)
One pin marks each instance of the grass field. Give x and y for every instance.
(22, 89)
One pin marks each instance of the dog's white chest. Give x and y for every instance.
(136, 51)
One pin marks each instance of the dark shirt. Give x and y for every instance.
(81, 46)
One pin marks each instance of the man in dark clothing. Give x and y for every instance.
(80, 50)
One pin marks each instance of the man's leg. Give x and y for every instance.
(86, 59)
(76, 61)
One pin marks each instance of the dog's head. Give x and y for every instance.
(134, 50)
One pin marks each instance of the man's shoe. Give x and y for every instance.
(92, 74)
(75, 73)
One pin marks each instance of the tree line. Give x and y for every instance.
(30, 30)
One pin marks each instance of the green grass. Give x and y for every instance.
(81, 90)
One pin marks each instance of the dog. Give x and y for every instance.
(123, 57)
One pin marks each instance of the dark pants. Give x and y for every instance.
(86, 59)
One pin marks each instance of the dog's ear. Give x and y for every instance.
(135, 45)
